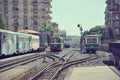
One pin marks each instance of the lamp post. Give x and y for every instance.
(81, 38)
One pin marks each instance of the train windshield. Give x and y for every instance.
(55, 45)
(91, 40)
(55, 40)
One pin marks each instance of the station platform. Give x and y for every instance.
(92, 73)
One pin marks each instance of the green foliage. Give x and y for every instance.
(97, 30)
(50, 28)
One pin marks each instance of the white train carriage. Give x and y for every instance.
(92, 43)
(16, 42)
(7, 42)
(34, 42)
(23, 42)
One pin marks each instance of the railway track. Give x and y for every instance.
(59, 66)
(15, 63)
(52, 71)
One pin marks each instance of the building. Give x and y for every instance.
(25, 14)
(62, 33)
(112, 19)
(74, 41)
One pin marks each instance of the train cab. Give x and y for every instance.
(55, 47)
(92, 43)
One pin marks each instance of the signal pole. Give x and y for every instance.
(81, 37)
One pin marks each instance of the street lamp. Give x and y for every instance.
(81, 38)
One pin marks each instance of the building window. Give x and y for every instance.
(15, 1)
(115, 7)
(5, 1)
(15, 15)
(25, 27)
(25, 22)
(117, 23)
(25, 15)
(15, 22)
(25, 1)
(15, 8)
(34, 1)
(6, 14)
(35, 22)
(6, 8)
(25, 8)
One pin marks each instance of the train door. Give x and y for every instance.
(17, 43)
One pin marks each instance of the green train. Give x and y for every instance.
(92, 43)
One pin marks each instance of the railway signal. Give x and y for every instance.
(81, 38)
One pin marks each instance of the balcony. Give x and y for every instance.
(5, 1)
(15, 1)
(108, 1)
(0, 1)
(116, 19)
(35, 22)
(34, 3)
(5, 9)
(15, 23)
(45, 11)
(47, 1)
(117, 26)
(25, 17)
(15, 9)
(47, 6)
(34, 10)
(15, 16)
(46, 17)
(109, 8)
(34, 17)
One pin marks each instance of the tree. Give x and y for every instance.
(85, 33)
(50, 28)
(97, 30)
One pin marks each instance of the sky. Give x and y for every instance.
(69, 13)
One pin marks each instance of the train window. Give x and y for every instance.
(55, 45)
(94, 40)
(91, 40)
(88, 40)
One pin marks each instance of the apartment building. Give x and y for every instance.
(112, 19)
(25, 14)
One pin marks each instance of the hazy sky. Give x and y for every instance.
(69, 13)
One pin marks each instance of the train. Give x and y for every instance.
(56, 44)
(13, 43)
(92, 43)
(67, 43)
(114, 50)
